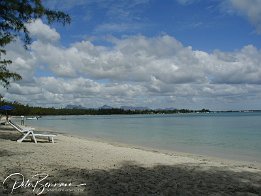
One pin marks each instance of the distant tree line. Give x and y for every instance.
(27, 110)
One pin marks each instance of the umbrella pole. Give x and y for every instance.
(6, 117)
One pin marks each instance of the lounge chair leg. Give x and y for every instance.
(50, 139)
(20, 140)
(35, 141)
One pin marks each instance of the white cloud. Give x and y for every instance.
(241, 67)
(42, 31)
(251, 9)
(23, 62)
(135, 70)
(24, 90)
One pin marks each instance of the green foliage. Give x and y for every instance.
(27, 110)
(14, 14)
(5, 74)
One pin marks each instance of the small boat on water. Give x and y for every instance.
(32, 118)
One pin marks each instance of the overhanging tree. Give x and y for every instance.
(14, 15)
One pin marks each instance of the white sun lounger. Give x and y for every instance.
(29, 132)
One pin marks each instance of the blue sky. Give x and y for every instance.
(204, 25)
(173, 53)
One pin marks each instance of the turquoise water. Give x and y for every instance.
(226, 135)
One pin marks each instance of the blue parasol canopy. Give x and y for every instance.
(6, 107)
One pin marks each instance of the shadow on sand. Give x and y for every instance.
(8, 133)
(133, 179)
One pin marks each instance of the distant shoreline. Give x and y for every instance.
(27, 110)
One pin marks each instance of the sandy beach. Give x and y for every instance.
(79, 166)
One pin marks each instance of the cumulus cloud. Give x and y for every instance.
(23, 62)
(24, 89)
(135, 70)
(142, 59)
(42, 31)
(251, 9)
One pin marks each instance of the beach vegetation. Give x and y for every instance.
(21, 109)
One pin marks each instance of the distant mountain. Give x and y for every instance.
(131, 108)
(125, 108)
(74, 107)
(106, 107)
(169, 108)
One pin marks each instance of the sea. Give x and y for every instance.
(229, 135)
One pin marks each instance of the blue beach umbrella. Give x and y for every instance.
(6, 108)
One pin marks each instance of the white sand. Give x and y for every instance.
(108, 169)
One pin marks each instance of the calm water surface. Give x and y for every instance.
(226, 135)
